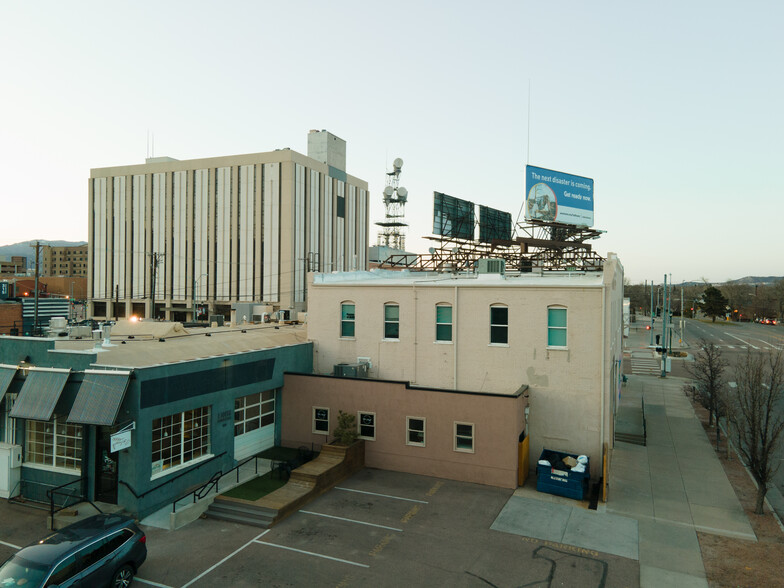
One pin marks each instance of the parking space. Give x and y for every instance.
(377, 528)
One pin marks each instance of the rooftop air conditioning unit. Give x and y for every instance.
(351, 370)
(491, 266)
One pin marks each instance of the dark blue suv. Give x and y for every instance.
(103, 550)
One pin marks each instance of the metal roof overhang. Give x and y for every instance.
(40, 393)
(7, 373)
(99, 398)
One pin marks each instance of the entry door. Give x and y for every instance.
(106, 468)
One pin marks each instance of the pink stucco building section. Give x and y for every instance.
(497, 420)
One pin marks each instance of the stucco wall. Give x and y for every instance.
(498, 422)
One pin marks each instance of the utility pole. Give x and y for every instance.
(35, 311)
(664, 331)
(156, 259)
(652, 315)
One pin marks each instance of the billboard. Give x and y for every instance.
(558, 197)
(494, 224)
(453, 217)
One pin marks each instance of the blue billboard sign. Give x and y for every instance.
(558, 197)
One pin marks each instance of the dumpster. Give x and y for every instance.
(558, 477)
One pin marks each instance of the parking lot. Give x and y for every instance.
(376, 528)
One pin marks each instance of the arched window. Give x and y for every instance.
(499, 324)
(443, 322)
(556, 326)
(347, 319)
(391, 321)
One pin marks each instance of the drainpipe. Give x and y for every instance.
(604, 345)
(454, 338)
(416, 334)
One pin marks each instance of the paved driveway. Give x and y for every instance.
(383, 529)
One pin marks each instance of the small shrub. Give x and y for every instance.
(346, 431)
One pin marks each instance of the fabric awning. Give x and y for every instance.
(40, 393)
(99, 398)
(7, 373)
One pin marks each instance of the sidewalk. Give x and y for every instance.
(659, 495)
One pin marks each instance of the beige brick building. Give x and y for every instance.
(242, 228)
(559, 333)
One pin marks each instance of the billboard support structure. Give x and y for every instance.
(539, 246)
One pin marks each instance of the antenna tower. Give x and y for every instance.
(392, 233)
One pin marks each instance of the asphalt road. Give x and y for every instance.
(735, 340)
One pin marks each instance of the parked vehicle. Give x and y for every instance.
(102, 550)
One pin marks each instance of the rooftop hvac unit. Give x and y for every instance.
(491, 266)
(351, 370)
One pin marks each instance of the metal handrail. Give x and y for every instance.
(170, 480)
(50, 494)
(213, 482)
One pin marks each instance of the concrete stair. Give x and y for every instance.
(307, 482)
(231, 511)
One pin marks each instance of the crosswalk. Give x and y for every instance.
(645, 365)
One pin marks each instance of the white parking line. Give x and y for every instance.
(143, 581)
(353, 563)
(318, 514)
(382, 495)
(225, 559)
(10, 545)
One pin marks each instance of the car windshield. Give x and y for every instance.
(18, 571)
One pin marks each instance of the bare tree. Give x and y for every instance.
(708, 371)
(757, 416)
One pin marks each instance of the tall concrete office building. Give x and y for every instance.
(222, 230)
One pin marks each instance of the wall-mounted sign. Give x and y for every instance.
(120, 441)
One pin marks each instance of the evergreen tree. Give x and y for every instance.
(713, 303)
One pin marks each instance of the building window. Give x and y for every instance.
(253, 412)
(347, 320)
(464, 437)
(415, 431)
(54, 443)
(443, 322)
(320, 420)
(391, 321)
(499, 324)
(367, 425)
(556, 327)
(180, 438)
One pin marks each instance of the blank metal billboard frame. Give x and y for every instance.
(453, 217)
(494, 225)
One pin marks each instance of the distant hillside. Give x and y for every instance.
(759, 280)
(24, 248)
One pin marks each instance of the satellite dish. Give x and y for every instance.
(402, 193)
(398, 163)
(388, 191)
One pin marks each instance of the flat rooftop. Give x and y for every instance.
(385, 278)
(150, 343)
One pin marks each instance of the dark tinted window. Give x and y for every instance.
(64, 571)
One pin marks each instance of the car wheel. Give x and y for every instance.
(123, 577)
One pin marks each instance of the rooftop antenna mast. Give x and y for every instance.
(392, 233)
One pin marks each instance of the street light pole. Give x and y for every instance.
(664, 331)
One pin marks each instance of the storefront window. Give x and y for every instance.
(54, 443)
(180, 438)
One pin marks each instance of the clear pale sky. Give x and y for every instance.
(675, 109)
